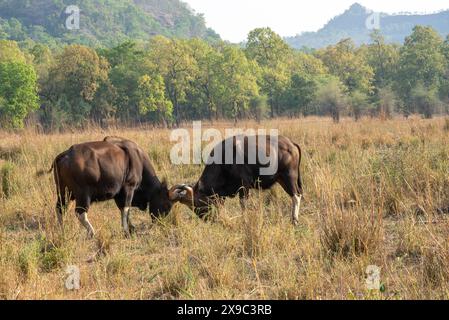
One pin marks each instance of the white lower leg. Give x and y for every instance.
(296, 204)
(85, 222)
(125, 219)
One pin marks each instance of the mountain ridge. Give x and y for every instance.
(352, 24)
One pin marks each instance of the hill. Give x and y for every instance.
(102, 22)
(352, 24)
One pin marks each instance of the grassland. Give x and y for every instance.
(376, 193)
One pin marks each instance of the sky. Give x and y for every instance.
(233, 19)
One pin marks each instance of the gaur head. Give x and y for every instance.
(192, 197)
(162, 200)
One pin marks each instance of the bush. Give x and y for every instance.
(349, 233)
(6, 179)
(331, 99)
(425, 100)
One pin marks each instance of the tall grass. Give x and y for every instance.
(376, 193)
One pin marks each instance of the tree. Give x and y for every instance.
(422, 64)
(206, 89)
(18, 93)
(383, 59)
(300, 93)
(76, 77)
(444, 88)
(42, 59)
(273, 55)
(308, 64)
(152, 100)
(10, 51)
(173, 60)
(425, 101)
(330, 97)
(239, 80)
(258, 107)
(349, 65)
(358, 101)
(387, 102)
(128, 64)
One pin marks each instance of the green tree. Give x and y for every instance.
(76, 77)
(128, 65)
(359, 104)
(300, 94)
(10, 51)
(173, 60)
(331, 97)
(349, 65)
(273, 55)
(425, 101)
(383, 59)
(422, 64)
(18, 93)
(206, 89)
(240, 81)
(387, 102)
(152, 100)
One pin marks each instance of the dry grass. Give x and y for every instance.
(377, 193)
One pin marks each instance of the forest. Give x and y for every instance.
(103, 23)
(167, 81)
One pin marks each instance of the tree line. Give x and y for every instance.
(167, 81)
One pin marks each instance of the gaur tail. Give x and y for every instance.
(299, 168)
(41, 173)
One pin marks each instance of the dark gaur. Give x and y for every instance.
(220, 181)
(114, 168)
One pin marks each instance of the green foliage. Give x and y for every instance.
(273, 55)
(358, 102)
(152, 98)
(383, 59)
(18, 93)
(174, 61)
(421, 62)
(347, 63)
(102, 23)
(330, 97)
(259, 107)
(388, 102)
(166, 81)
(240, 81)
(74, 82)
(424, 101)
(300, 94)
(10, 52)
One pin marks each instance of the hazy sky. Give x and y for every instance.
(233, 19)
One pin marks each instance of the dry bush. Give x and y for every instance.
(351, 232)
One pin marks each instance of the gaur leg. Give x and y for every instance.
(60, 207)
(296, 205)
(82, 207)
(131, 226)
(289, 183)
(61, 204)
(125, 208)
